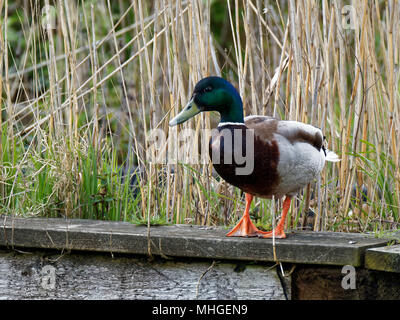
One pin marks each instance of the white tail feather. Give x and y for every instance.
(331, 156)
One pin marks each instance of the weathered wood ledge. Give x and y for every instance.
(321, 248)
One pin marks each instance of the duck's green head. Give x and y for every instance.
(213, 94)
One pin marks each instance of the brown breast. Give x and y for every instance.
(231, 153)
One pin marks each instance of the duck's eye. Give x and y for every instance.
(208, 89)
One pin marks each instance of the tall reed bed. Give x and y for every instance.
(83, 83)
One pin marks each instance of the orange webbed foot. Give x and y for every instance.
(245, 227)
(279, 234)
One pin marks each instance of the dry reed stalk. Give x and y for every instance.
(2, 53)
(27, 130)
(391, 84)
(55, 97)
(10, 108)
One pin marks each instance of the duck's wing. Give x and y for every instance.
(300, 152)
(267, 128)
(300, 132)
(264, 127)
(295, 132)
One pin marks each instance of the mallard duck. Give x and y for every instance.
(286, 155)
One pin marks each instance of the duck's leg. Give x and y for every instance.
(279, 230)
(245, 227)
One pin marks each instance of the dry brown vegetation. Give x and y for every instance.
(78, 100)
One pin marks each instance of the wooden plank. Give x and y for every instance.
(80, 275)
(311, 282)
(184, 241)
(383, 258)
